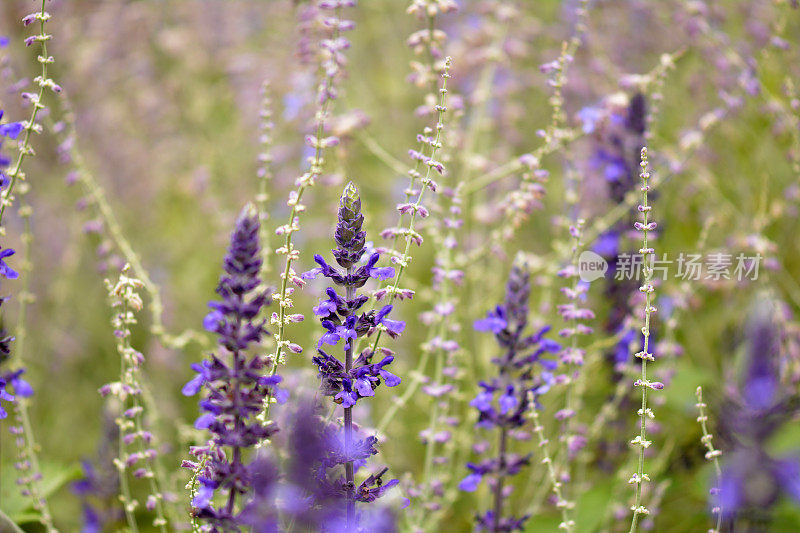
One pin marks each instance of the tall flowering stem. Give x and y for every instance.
(712, 454)
(416, 208)
(505, 400)
(411, 236)
(264, 174)
(27, 463)
(357, 378)
(135, 442)
(235, 383)
(428, 41)
(645, 226)
(332, 65)
(44, 82)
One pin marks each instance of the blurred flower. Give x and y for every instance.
(505, 399)
(752, 480)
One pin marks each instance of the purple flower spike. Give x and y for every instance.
(505, 400)
(350, 380)
(235, 382)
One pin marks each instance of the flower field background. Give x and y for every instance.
(484, 148)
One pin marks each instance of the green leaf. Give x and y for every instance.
(7, 525)
(20, 508)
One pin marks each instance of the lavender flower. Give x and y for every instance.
(10, 130)
(4, 395)
(352, 380)
(5, 270)
(234, 381)
(36, 100)
(505, 399)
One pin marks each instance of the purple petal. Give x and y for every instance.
(193, 386)
(382, 273)
(390, 379)
(490, 323)
(204, 421)
(394, 326)
(470, 483)
(311, 274)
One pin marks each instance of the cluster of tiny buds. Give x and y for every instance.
(570, 312)
(556, 71)
(334, 60)
(523, 200)
(431, 8)
(430, 41)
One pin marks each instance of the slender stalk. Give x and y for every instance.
(647, 288)
(264, 175)
(237, 450)
(572, 364)
(97, 196)
(292, 224)
(437, 378)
